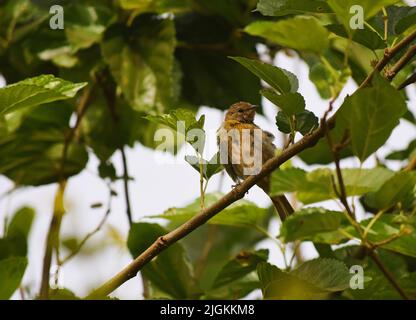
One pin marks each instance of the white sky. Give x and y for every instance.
(156, 188)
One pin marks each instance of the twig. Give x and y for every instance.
(388, 55)
(388, 240)
(372, 222)
(237, 193)
(386, 24)
(388, 274)
(126, 185)
(403, 61)
(341, 193)
(52, 239)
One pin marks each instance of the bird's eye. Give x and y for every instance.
(240, 110)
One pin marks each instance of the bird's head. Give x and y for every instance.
(241, 112)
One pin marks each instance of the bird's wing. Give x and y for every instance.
(223, 142)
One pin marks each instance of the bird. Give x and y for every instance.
(244, 148)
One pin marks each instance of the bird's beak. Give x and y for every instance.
(254, 107)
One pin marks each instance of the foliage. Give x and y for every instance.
(121, 70)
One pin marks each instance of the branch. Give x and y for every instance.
(204, 215)
(411, 52)
(388, 274)
(237, 193)
(388, 55)
(52, 240)
(126, 185)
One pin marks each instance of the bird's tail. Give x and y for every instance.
(283, 206)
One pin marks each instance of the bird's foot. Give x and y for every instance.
(234, 186)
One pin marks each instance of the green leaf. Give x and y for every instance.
(291, 33)
(398, 189)
(159, 6)
(366, 36)
(327, 274)
(306, 121)
(182, 121)
(370, 9)
(209, 168)
(100, 123)
(236, 12)
(86, 24)
(170, 272)
(407, 153)
(209, 77)
(211, 246)
(149, 49)
(240, 266)
(317, 186)
(290, 103)
(21, 223)
(328, 73)
(62, 294)
(11, 274)
(379, 287)
(389, 225)
(406, 20)
(242, 213)
(370, 115)
(14, 244)
(286, 7)
(315, 279)
(314, 224)
(32, 153)
(279, 79)
(35, 91)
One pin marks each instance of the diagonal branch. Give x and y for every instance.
(237, 193)
(204, 215)
(411, 52)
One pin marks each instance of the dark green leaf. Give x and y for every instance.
(32, 154)
(398, 189)
(209, 77)
(370, 115)
(366, 36)
(370, 8)
(317, 185)
(315, 279)
(36, 91)
(209, 168)
(21, 222)
(314, 224)
(170, 272)
(305, 121)
(276, 77)
(404, 154)
(11, 274)
(149, 49)
(286, 7)
(243, 264)
(290, 103)
(242, 213)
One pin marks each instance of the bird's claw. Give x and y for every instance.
(234, 186)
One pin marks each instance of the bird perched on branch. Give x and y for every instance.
(244, 148)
